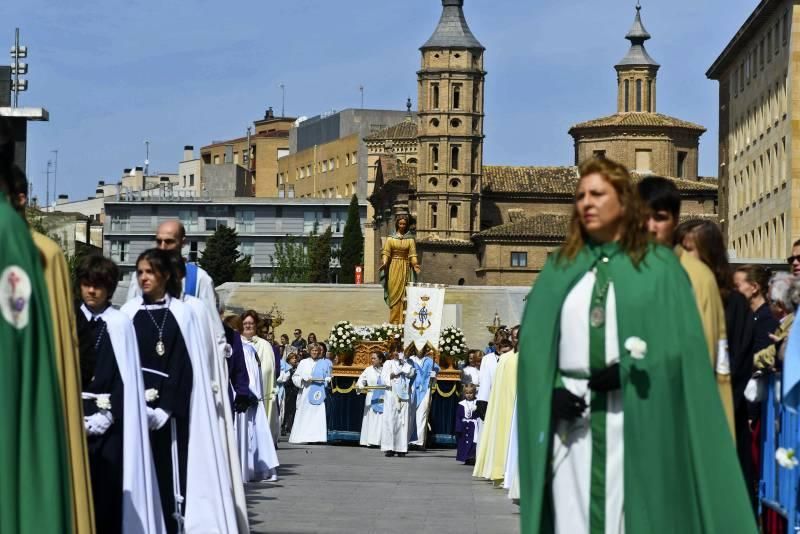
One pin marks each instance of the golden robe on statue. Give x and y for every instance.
(65, 336)
(399, 256)
(490, 461)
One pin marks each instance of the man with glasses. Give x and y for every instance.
(299, 343)
(794, 259)
(171, 235)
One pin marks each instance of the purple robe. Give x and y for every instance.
(465, 434)
(237, 370)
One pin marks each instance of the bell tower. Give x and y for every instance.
(636, 73)
(450, 132)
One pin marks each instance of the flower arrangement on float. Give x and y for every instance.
(452, 342)
(386, 332)
(342, 338)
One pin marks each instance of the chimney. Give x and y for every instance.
(269, 114)
(101, 183)
(62, 199)
(99, 193)
(188, 153)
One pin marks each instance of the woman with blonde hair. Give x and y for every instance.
(615, 387)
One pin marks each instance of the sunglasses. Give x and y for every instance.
(791, 259)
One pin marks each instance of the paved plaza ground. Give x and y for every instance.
(344, 488)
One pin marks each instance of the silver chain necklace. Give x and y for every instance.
(161, 349)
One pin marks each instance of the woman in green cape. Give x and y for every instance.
(621, 428)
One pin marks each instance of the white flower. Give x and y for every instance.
(637, 347)
(339, 331)
(150, 394)
(103, 402)
(786, 458)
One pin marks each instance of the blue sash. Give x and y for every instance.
(376, 404)
(422, 378)
(191, 280)
(316, 391)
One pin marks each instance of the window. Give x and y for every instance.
(216, 216)
(119, 251)
(650, 95)
(191, 180)
(337, 221)
(643, 160)
(435, 96)
(355, 158)
(245, 221)
(192, 254)
(213, 224)
(454, 154)
(290, 191)
(120, 222)
(189, 219)
(475, 99)
(216, 159)
(627, 85)
(457, 96)
(347, 159)
(454, 216)
(247, 249)
(311, 219)
(435, 157)
(681, 168)
(519, 259)
(433, 216)
(638, 95)
(599, 154)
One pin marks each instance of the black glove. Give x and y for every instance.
(480, 410)
(606, 379)
(566, 405)
(241, 403)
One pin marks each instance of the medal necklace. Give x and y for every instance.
(161, 349)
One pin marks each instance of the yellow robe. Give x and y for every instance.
(490, 461)
(400, 256)
(712, 314)
(59, 289)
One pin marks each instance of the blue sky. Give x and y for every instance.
(114, 73)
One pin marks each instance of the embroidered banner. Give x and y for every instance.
(423, 316)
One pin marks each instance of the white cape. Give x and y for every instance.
(256, 449)
(310, 423)
(209, 502)
(141, 503)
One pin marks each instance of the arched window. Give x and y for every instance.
(638, 95)
(454, 216)
(435, 96)
(454, 154)
(412, 161)
(475, 91)
(433, 215)
(650, 95)
(627, 85)
(435, 157)
(457, 97)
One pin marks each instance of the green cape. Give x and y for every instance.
(35, 483)
(681, 469)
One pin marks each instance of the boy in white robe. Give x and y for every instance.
(397, 374)
(373, 403)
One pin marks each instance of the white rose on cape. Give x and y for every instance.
(637, 347)
(103, 402)
(786, 458)
(150, 394)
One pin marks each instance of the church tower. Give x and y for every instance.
(636, 73)
(450, 132)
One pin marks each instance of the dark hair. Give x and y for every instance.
(796, 243)
(659, 193)
(18, 186)
(757, 274)
(397, 222)
(311, 334)
(161, 262)
(285, 336)
(254, 315)
(711, 249)
(634, 240)
(98, 271)
(177, 263)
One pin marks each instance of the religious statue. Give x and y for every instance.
(399, 267)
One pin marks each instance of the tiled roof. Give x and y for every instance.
(638, 120)
(541, 227)
(402, 130)
(683, 185)
(452, 30)
(436, 240)
(545, 180)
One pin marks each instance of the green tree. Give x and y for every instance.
(222, 260)
(290, 262)
(352, 250)
(319, 256)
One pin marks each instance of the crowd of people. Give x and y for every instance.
(628, 399)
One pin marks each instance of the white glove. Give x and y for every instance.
(754, 391)
(97, 424)
(156, 418)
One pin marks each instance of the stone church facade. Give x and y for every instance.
(480, 224)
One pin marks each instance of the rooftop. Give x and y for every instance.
(452, 30)
(402, 130)
(752, 25)
(637, 35)
(635, 119)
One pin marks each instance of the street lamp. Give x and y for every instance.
(18, 68)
